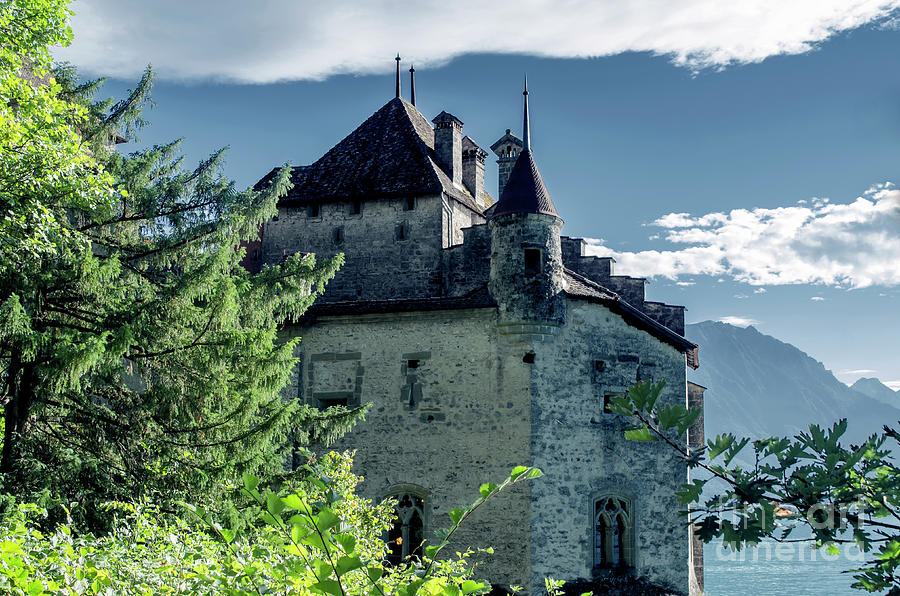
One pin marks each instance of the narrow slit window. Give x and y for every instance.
(532, 261)
(355, 207)
(402, 231)
(409, 204)
(338, 235)
(313, 210)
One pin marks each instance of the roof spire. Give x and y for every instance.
(526, 130)
(412, 85)
(397, 92)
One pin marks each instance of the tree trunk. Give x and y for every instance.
(21, 396)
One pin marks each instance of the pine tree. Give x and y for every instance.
(137, 353)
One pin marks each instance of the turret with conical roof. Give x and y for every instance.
(526, 276)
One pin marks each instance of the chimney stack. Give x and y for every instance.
(473, 169)
(507, 149)
(448, 144)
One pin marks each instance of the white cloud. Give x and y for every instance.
(760, 291)
(741, 296)
(852, 245)
(685, 283)
(858, 371)
(817, 299)
(287, 40)
(738, 321)
(895, 385)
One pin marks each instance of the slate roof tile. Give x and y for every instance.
(525, 191)
(390, 154)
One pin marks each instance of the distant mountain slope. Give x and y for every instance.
(760, 386)
(877, 390)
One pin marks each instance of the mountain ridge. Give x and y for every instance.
(760, 386)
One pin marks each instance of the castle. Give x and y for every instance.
(483, 339)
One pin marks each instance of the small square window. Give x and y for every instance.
(355, 207)
(532, 261)
(412, 364)
(313, 210)
(409, 204)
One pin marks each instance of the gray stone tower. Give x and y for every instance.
(507, 148)
(526, 277)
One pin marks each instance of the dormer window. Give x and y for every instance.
(532, 261)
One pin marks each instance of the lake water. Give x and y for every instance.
(779, 569)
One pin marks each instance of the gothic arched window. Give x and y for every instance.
(407, 535)
(613, 533)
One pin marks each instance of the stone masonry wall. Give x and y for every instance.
(467, 266)
(584, 454)
(459, 418)
(392, 252)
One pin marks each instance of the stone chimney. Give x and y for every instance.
(473, 169)
(507, 148)
(448, 145)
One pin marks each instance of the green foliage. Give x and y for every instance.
(316, 537)
(137, 354)
(843, 494)
(45, 169)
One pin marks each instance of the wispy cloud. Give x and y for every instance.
(287, 40)
(858, 371)
(817, 299)
(760, 291)
(852, 245)
(738, 321)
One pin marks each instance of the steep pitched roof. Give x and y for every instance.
(390, 154)
(525, 191)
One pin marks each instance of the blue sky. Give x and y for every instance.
(741, 159)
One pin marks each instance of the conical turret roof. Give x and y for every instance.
(525, 191)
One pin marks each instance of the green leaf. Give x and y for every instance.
(250, 482)
(374, 573)
(347, 564)
(534, 473)
(327, 586)
(347, 542)
(639, 434)
(456, 515)
(486, 489)
(517, 471)
(326, 519)
(274, 504)
(294, 502)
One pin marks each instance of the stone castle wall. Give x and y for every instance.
(393, 252)
(460, 418)
(584, 454)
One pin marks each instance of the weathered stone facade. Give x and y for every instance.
(483, 340)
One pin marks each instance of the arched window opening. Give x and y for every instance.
(407, 536)
(613, 533)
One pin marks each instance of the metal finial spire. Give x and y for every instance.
(526, 129)
(397, 92)
(412, 85)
